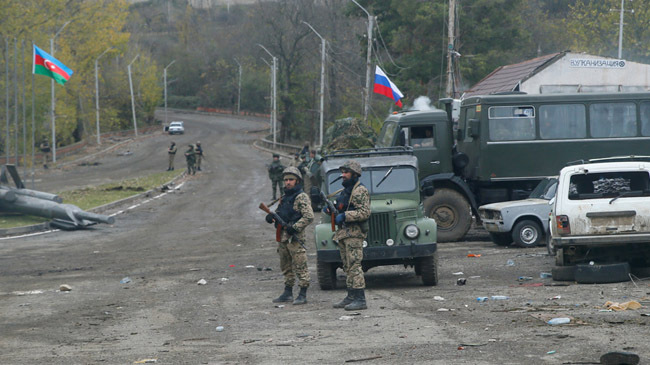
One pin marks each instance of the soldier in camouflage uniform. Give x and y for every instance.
(190, 158)
(171, 151)
(295, 210)
(275, 174)
(354, 205)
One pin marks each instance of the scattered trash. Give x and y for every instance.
(250, 266)
(645, 314)
(607, 310)
(529, 284)
(250, 341)
(365, 358)
(457, 273)
(461, 348)
(29, 292)
(219, 328)
(482, 299)
(461, 281)
(259, 269)
(202, 282)
(499, 297)
(65, 287)
(231, 265)
(126, 280)
(545, 275)
(555, 297)
(224, 279)
(280, 306)
(146, 361)
(524, 278)
(475, 277)
(559, 320)
(551, 352)
(437, 297)
(346, 318)
(473, 255)
(443, 310)
(510, 262)
(632, 304)
(473, 344)
(267, 269)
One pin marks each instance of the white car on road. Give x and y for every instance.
(176, 128)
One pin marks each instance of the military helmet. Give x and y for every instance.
(291, 170)
(276, 155)
(351, 165)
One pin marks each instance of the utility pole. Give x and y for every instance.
(274, 112)
(366, 106)
(165, 83)
(97, 95)
(53, 107)
(270, 93)
(135, 124)
(620, 27)
(449, 91)
(322, 81)
(238, 87)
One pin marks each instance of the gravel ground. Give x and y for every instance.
(212, 229)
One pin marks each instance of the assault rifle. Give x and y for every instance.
(279, 222)
(333, 211)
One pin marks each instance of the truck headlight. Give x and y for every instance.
(412, 231)
(390, 242)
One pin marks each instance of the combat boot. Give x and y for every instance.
(301, 298)
(287, 296)
(347, 300)
(358, 300)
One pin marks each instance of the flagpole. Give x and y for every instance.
(53, 106)
(33, 142)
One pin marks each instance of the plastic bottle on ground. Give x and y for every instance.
(499, 297)
(560, 320)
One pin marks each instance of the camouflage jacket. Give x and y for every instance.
(302, 204)
(275, 171)
(189, 154)
(360, 200)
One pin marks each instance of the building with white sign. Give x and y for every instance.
(566, 72)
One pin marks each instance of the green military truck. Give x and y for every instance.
(505, 144)
(398, 231)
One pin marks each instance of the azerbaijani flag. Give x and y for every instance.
(385, 87)
(44, 64)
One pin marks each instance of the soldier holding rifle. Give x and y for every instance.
(293, 215)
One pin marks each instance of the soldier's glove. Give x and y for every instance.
(291, 231)
(269, 218)
(326, 210)
(340, 219)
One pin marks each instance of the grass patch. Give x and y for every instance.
(91, 197)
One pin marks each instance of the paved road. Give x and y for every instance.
(211, 229)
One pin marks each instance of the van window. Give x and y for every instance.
(609, 185)
(645, 118)
(562, 121)
(612, 120)
(511, 123)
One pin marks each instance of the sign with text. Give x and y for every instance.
(596, 63)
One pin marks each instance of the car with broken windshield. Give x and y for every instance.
(398, 231)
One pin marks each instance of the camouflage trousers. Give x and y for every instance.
(171, 161)
(191, 168)
(293, 262)
(278, 184)
(351, 254)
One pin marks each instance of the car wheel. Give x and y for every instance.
(501, 239)
(563, 273)
(326, 272)
(429, 269)
(527, 233)
(600, 274)
(451, 211)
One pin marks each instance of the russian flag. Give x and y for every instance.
(385, 87)
(45, 64)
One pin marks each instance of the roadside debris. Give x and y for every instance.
(146, 361)
(545, 275)
(510, 262)
(499, 297)
(555, 297)
(219, 328)
(473, 255)
(461, 281)
(250, 266)
(559, 320)
(365, 359)
(437, 297)
(202, 282)
(457, 273)
(482, 299)
(632, 304)
(29, 292)
(125, 280)
(524, 278)
(65, 287)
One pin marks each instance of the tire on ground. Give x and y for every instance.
(563, 273)
(527, 233)
(326, 272)
(429, 269)
(599, 274)
(451, 212)
(501, 238)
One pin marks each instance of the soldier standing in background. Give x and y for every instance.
(190, 158)
(171, 151)
(354, 205)
(45, 150)
(199, 155)
(275, 174)
(295, 210)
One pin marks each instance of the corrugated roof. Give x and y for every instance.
(506, 78)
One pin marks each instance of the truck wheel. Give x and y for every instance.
(451, 211)
(326, 275)
(429, 269)
(527, 233)
(501, 239)
(600, 274)
(563, 273)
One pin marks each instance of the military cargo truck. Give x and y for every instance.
(398, 231)
(505, 144)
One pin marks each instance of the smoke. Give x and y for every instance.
(423, 103)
